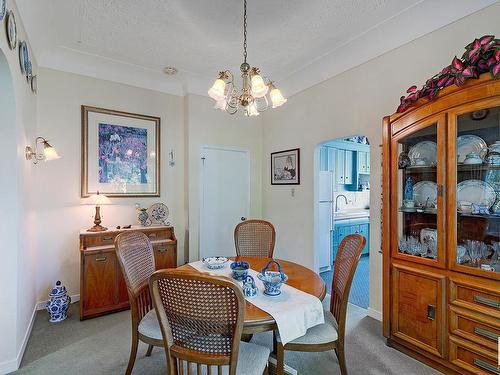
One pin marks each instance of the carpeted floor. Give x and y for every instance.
(360, 288)
(101, 346)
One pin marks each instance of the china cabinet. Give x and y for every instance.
(441, 229)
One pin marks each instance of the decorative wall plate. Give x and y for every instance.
(24, 57)
(470, 143)
(426, 150)
(476, 192)
(2, 9)
(158, 213)
(11, 30)
(425, 193)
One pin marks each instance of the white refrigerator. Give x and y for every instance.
(325, 219)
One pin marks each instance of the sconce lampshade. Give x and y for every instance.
(50, 152)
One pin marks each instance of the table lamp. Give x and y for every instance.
(97, 200)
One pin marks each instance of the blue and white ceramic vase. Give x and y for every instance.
(408, 193)
(249, 287)
(58, 303)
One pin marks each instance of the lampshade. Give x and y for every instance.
(277, 98)
(216, 92)
(97, 200)
(252, 110)
(220, 104)
(49, 152)
(259, 88)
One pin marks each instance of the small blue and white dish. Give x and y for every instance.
(272, 280)
(249, 287)
(240, 270)
(215, 263)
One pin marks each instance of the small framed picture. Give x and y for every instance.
(120, 153)
(285, 167)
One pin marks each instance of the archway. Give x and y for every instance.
(8, 219)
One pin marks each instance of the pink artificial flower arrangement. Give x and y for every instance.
(480, 56)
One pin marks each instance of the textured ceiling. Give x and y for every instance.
(119, 38)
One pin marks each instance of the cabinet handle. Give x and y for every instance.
(107, 238)
(486, 366)
(487, 301)
(152, 235)
(162, 250)
(485, 333)
(431, 312)
(101, 259)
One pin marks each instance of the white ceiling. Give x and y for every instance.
(297, 43)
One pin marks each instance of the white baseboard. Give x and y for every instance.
(12, 365)
(41, 305)
(374, 314)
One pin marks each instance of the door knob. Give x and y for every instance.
(243, 218)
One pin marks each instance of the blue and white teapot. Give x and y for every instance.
(58, 303)
(249, 287)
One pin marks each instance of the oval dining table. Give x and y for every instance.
(299, 277)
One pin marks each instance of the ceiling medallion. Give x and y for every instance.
(257, 93)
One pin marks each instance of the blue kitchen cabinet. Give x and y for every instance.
(350, 226)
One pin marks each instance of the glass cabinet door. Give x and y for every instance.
(476, 155)
(418, 177)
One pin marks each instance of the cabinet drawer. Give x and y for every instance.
(473, 358)
(484, 298)
(165, 255)
(102, 239)
(160, 234)
(475, 327)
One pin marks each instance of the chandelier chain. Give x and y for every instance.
(245, 30)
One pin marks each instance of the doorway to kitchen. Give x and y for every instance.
(343, 206)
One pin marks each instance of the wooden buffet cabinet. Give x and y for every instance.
(102, 286)
(441, 290)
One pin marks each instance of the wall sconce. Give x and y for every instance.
(34, 154)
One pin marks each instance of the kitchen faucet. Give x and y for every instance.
(337, 201)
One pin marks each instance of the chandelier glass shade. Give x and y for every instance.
(256, 94)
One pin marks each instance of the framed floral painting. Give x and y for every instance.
(120, 153)
(285, 167)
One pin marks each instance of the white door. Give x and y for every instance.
(225, 198)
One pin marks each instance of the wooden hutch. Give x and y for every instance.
(102, 286)
(442, 306)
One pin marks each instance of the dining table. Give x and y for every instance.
(299, 277)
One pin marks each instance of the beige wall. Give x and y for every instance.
(206, 126)
(18, 109)
(59, 209)
(349, 104)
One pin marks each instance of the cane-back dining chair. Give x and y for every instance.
(255, 238)
(136, 258)
(331, 334)
(201, 318)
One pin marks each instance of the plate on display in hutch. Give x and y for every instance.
(476, 192)
(425, 194)
(467, 144)
(423, 154)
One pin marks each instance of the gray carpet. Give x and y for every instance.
(101, 346)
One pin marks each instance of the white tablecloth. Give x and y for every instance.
(293, 310)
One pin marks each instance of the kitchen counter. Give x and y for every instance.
(351, 214)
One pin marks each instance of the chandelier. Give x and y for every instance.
(257, 93)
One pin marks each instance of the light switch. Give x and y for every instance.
(293, 192)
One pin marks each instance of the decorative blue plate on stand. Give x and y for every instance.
(2, 9)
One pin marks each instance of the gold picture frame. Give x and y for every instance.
(124, 151)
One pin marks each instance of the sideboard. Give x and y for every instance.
(102, 286)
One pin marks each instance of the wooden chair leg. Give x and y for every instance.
(266, 371)
(280, 359)
(150, 350)
(341, 357)
(133, 354)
